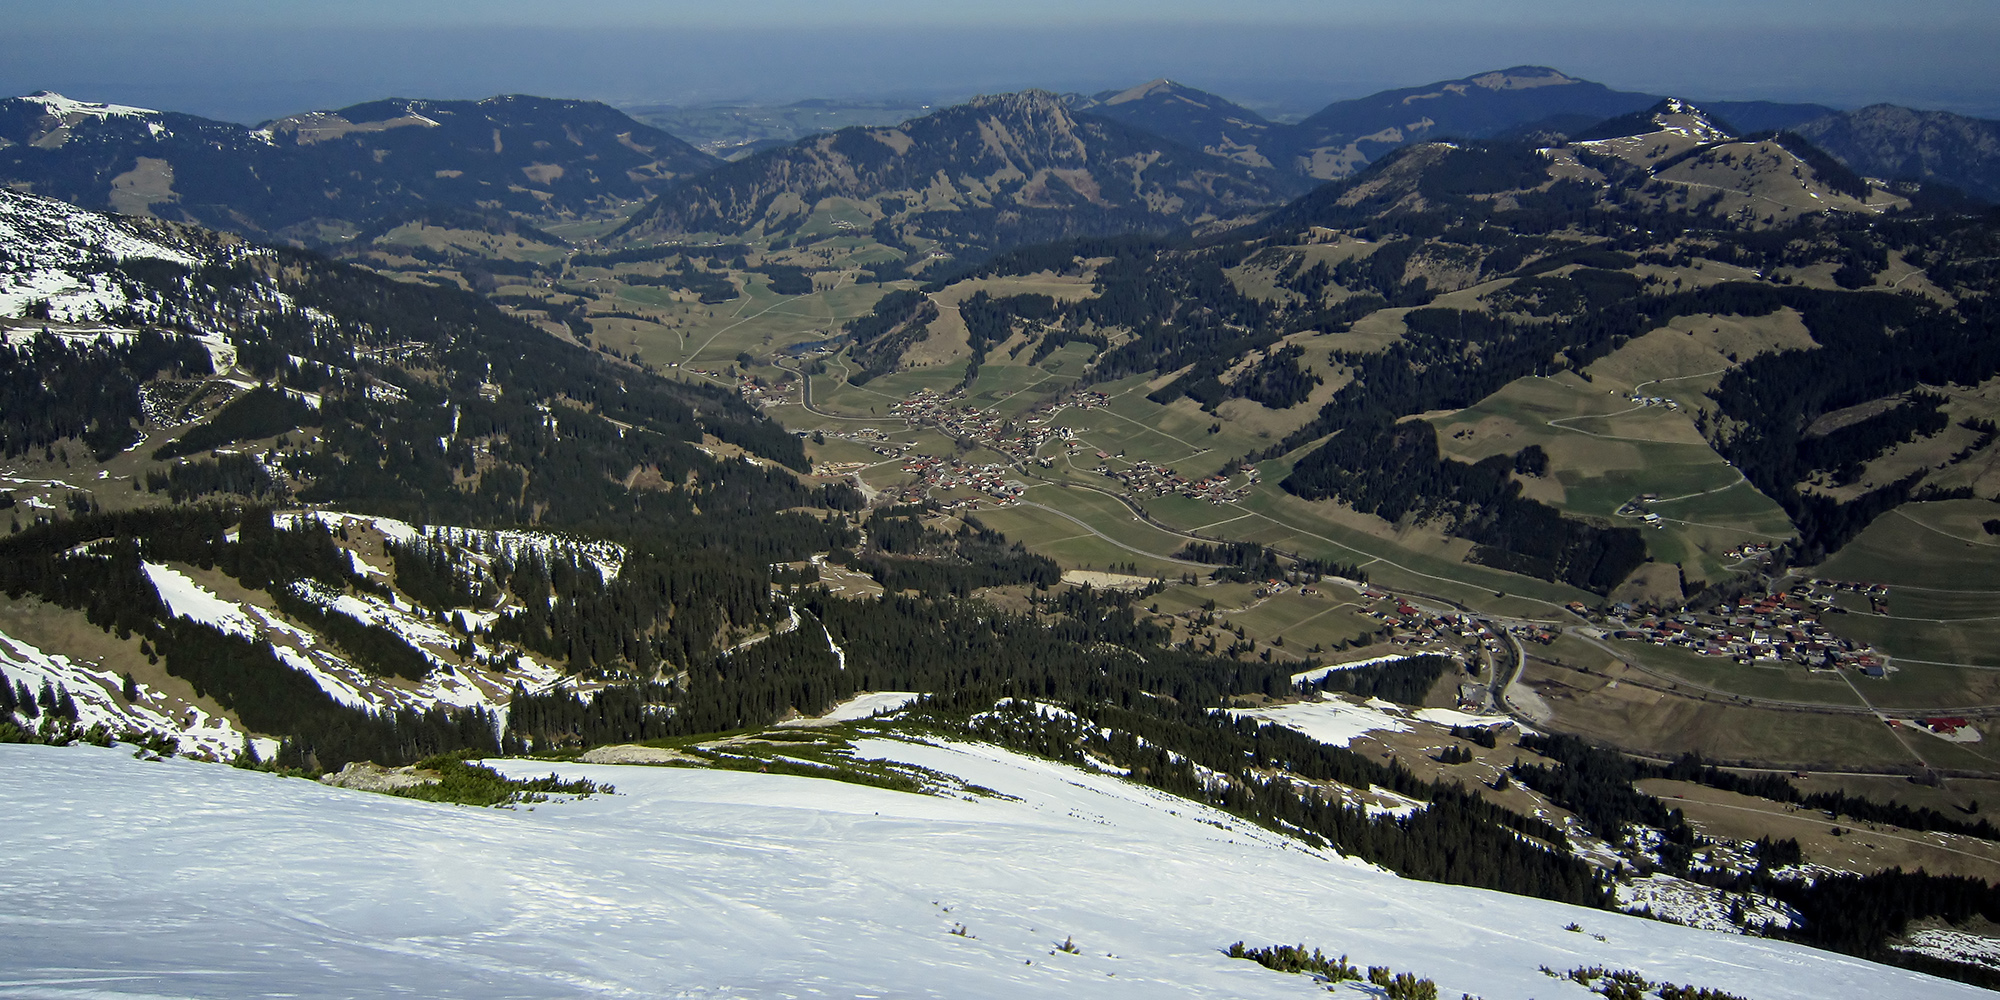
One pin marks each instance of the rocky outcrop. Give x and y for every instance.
(630, 753)
(368, 776)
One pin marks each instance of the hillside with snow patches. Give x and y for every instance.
(483, 679)
(695, 883)
(49, 252)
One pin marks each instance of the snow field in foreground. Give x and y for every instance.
(129, 878)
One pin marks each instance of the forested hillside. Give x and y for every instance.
(323, 176)
(997, 172)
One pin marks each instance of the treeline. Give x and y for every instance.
(1276, 381)
(1871, 346)
(1404, 681)
(1845, 449)
(1271, 775)
(1856, 914)
(905, 554)
(369, 646)
(256, 413)
(671, 604)
(1240, 562)
(1574, 753)
(1778, 788)
(109, 586)
(435, 574)
(1395, 469)
(787, 279)
(898, 320)
(53, 388)
(989, 321)
(666, 607)
(239, 475)
(712, 287)
(1246, 562)
(1861, 914)
(1598, 786)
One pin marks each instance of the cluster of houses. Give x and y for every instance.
(1412, 626)
(765, 395)
(1638, 400)
(951, 474)
(1159, 480)
(929, 408)
(1641, 508)
(1782, 627)
(1753, 552)
(874, 440)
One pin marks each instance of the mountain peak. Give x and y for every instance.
(1150, 88)
(1671, 116)
(1522, 78)
(1031, 100)
(62, 107)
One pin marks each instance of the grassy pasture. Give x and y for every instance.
(1939, 545)
(1304, 622)
(1604, 450)
(1071, 545)
(1976, 643)
(1787, 682)
(1599, 705)
(1412, 561)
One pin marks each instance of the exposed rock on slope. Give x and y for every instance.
(1887, 141)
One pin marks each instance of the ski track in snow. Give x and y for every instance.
(137, 879)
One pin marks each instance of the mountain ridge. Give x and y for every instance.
(1000, 170)
(319, 176)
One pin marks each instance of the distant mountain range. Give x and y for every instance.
(321, 176)
(1191, 117)
(1882, 141)
(997, 171)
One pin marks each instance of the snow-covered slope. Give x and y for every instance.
(127, 878)
(48, 249)
(62, 107)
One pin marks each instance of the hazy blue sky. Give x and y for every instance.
(254, 59)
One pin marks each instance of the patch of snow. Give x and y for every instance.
(335, 686)
(1320, 673)
(864, 706)
(55, 234)
(188, 599)
(363, 566)
(1954, 946)
(839, 654)
(1697, 905)
(1330, 720)
(63, 107)
(1453, 717)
